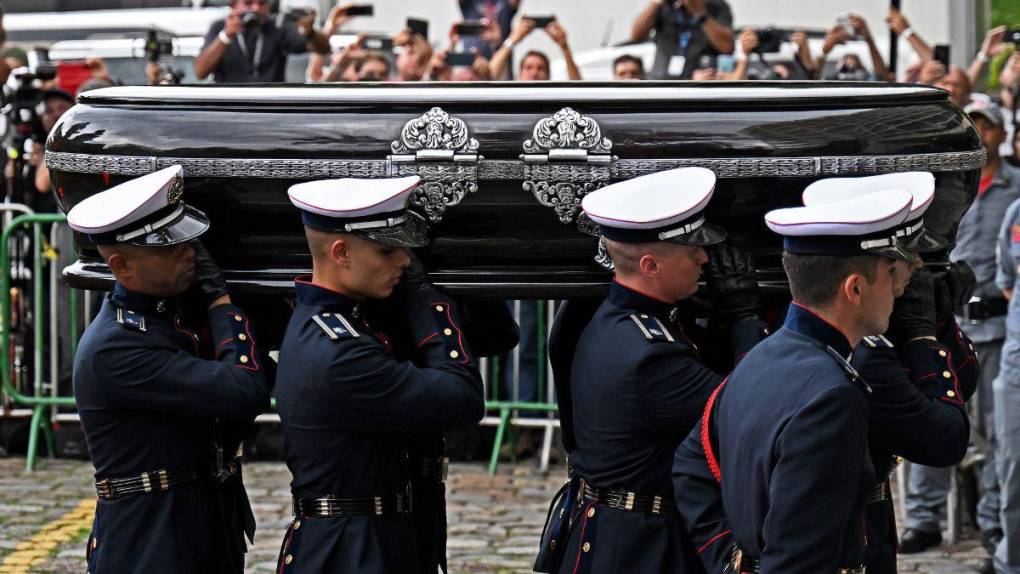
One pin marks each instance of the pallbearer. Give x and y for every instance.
(637, 383)
(787, 434)
(167, 380)
(348, 405)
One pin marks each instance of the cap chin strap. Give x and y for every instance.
(911, 230)
(684, 230)
(149, 228)
(388, 222)
(894, 239)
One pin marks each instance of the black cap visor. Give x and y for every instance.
(924, 241)
(413, 232)
(187, 225)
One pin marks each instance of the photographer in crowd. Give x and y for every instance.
(247, 46)
(534, 65)
(685, 30)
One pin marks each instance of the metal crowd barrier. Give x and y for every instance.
(40, 403)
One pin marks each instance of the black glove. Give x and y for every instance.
(731, 282)
(913, 313)
(414, 279)
(953, 289)
(208, 275)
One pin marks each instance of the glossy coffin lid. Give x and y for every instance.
(504, 166)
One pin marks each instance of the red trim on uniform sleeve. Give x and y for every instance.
(712, 541)
(706, 440)
(251, 348)
(453, 324)
(427, 339)
(225, 341)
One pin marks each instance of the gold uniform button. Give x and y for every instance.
(942, 353)
(297, 524)
(243, 359)
(288, 559)
(454, 354)
(946, 375)
(586, 547)
(591, 512)
(238, 318)
(242, 337)
(448, 331)
(950, 394)
(95, 542)
(552, 545)
(439, 307)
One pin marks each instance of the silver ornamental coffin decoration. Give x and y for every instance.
(437, 147)
(566, 159)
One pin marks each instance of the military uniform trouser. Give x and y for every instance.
(928, 487)
(1007, 428)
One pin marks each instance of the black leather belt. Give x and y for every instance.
(984, 309)
(743, 564)
(881, 492)
(144, 483)
(429, 468)
(631, 501)
(329, 505)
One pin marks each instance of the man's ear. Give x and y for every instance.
(648, 265)
(340, 252)
(853, 288)
(119, 264)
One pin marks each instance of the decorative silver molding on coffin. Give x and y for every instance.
(566, 159)
(437, 136)
(496, 170)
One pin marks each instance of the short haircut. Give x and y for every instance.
(629, 58)
(537, 54)
(377, 56)
(815, 279)
(627, 256)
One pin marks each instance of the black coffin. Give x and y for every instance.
(504, 165)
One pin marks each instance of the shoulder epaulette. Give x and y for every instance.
(131, 320)
(652, 328)
(877, 342)
(335, 326)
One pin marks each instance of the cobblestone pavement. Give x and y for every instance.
(495, 521)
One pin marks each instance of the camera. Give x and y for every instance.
(1012, 36)
(156, 46)
(769, 40)
(169, 76)
(251, 21)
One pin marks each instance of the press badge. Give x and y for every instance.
(676, 65)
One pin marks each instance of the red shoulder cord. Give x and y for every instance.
(706, 440)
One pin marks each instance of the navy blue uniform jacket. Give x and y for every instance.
(151, 399)
(348, 408)
(637, 386)
(790, 427)
(915, 412)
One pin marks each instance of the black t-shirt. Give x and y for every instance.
(269, 49)
(677, 33)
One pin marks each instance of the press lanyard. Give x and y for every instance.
(258, 50)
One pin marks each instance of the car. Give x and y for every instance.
(42, 29)
(125, 58)
(503, 165)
